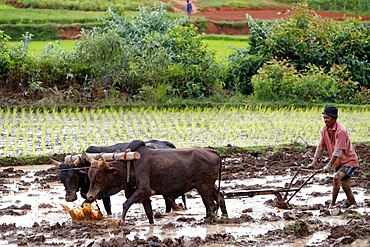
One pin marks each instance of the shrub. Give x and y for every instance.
(4, 49)
(149, 51)
(280, 80)
(303, 38)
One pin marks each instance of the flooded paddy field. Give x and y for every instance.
(31, 209)
(40, 132)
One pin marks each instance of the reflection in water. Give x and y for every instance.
(45, 207)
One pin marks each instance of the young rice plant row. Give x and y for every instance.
(35, 131)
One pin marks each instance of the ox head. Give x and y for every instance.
(73, 179)
(105, 177)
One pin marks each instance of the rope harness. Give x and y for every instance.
(76, 168)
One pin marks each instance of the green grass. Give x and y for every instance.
(36, 47)
(222, 46)
(88, 5)
(32, 16)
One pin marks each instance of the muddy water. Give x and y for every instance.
(45, 200)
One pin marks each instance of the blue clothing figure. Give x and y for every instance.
(189, 8)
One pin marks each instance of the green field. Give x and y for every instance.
(223, 47)
(32, 132)
(33, 16)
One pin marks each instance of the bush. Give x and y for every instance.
(279, 80)
(4, 51)
(303, 38)
(149, 51)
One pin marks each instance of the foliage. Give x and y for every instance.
(298, 228)
(149, 51)
(280, 80)
(304, 39)
(4, 49)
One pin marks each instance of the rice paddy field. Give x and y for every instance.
(35, 131)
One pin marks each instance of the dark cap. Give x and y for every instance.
(331, 111)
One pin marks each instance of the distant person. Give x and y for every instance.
(189, 8)
(343, 158)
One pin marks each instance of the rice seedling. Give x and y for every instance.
(38, 131)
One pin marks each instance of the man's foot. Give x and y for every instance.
(352, 205)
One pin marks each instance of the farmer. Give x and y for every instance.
(189, 8)
(343, 158)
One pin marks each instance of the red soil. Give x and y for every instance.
(229, 14)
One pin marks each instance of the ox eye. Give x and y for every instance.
(99, 177)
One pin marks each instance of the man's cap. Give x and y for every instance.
(331, 111)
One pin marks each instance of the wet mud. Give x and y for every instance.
(32, 214)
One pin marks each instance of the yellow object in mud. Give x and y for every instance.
(86, 212)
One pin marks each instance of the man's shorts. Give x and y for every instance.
(348, 170)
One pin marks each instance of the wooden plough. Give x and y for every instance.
(282, 201)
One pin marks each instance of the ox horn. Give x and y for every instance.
(77, 161)
(56, 163)
(102, 162)
(88, 157)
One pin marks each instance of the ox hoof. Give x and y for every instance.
(179, 207)
(118, 223)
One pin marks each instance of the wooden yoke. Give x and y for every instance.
(107, 156)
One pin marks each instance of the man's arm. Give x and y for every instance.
(336, 154)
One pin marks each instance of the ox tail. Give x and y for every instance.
(219, 184)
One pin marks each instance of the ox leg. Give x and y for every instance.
(147, 204)
(139, 195)
(107, 205)
(220, 199)
(168, 201)
(184, 200)
(206, 192)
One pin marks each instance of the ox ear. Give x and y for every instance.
(56, 163)
(113, 170)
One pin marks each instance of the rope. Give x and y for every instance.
(77, 168)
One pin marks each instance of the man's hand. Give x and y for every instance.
(309, 167)
(327, 168)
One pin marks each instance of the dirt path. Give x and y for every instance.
(180, 5)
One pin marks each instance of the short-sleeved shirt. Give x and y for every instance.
(337, 138)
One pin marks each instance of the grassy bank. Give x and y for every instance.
(223, 45)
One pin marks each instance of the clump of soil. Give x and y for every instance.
(301, 222)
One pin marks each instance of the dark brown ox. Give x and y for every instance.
(162, 172)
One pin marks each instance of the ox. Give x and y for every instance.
(160, 171)
(75, 178)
